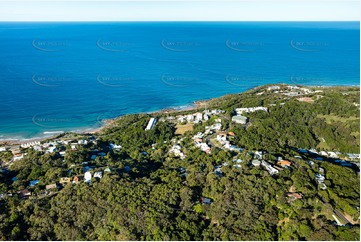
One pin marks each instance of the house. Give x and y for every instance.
(98, 174)
(33, 183)
(87, 176)
(183, 171)
(215, 127)
(176, 150)
(207, 201)
(271, 170)
(256, 163)
(353, 156)
(221, 137)
(198, 140)
(231, 134)
(313, 151)
(18, 157)
(323, 186)
(323, 153)
(284, 163)
(2, 149)
(198, 117)
(272, 88)
(238, 163)
(51, 186)
(204, 147)
(51, 149)
(205, 117)
(77, 179)
(239, 111)
(64, 180)
(320, 178)
(294, 195)
(15, 151)
(217, 111)
(332, 154)
(107, 169)
(83, 142)
(115, 146)
(258, 154)
(151, 124)
(218, 171)
(86, 168)
(24, 193)
(321, 170)
(239, 119)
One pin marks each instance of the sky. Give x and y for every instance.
(184, 10)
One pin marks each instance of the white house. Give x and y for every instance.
(332, 154)
(271, 88)
(239, 119)
(87, 176)
(98, 174)
(151, 124)
(222, 137)
(115, 146)
(239, 111)
(269, 168)
(51, 149)
(198, 117)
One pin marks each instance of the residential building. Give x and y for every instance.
(151, 123)
(239, 119)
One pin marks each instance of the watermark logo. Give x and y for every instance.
(50, 45)
(179, 46)
(243, 46)
(113, 46)
(49, 80)
(113, 81)
(244, 81)
(308, 46)
(178, 81)
(46, 121)
(302, 80)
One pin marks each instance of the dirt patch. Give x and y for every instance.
(349, 218)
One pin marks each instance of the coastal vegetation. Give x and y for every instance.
(147, 192)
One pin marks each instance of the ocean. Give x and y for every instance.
(72, 76)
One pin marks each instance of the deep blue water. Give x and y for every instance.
(70, 76)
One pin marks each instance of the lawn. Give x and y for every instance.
(182, 128)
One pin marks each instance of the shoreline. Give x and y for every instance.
(108, 122)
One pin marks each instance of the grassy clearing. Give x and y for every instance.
(182, 128)
(333, 118)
